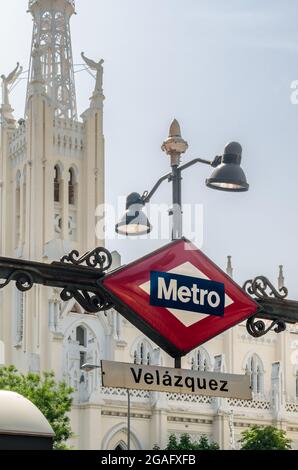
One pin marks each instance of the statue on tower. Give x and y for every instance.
(9, 80)
(98, 68)
(37, 52)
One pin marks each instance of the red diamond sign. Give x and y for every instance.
(178, 297)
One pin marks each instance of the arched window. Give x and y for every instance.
(201, 360)
(81, 346)
(57, 184)
(81, 336)
(254, 368)
(143, 353)
(71, 188)
(121, 447)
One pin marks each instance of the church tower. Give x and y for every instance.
(51, 36)
(52, 177)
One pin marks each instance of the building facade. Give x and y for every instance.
(51, 181)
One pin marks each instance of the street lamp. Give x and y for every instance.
(89, 368)
(227, 176)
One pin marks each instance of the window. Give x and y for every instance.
(57, 181)
(81, 336)
(297, 385)
(82, 358)
(120, 447)
(71, 188)
(143, 353)
(81, 346)
(201, 360)
(254, 368)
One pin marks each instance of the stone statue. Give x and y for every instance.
(9, 80)
(98, 68)
(36, 62)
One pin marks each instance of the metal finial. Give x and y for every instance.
(175, 145)
(281, 279)
(175, 130)
(229, 266)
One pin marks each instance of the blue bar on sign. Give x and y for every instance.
(188, 293)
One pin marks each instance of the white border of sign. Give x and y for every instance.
(165, 379)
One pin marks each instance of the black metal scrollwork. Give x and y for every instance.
(24, 281)
(78, 277)
(257, 327)
(264, 290)
(99, 258)
(259, 287)
(90, 301)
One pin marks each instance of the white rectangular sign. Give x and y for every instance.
(165, 379)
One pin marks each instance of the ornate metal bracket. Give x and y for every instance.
(257, 327)
(262, 288)
(78, 277)
(99, 258)
(274, 307)
(81, 278)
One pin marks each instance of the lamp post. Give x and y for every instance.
(90, 367)
(227, 176)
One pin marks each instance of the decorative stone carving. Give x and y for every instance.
(98, 68)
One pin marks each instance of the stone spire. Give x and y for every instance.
(281, 279)
(51, 54)
(229, 266)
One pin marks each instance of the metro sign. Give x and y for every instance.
(178, 297)
(187, 293)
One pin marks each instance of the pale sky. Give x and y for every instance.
(224, 70)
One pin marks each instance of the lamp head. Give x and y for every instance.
(228, 174)
(134, 221)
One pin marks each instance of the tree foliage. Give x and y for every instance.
(53, 399)
(185, 443)
(264, 438)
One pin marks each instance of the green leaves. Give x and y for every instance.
(264, 438)
(185, 443)
(53, 399)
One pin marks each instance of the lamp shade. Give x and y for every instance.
(134, 221)
(228, 174)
